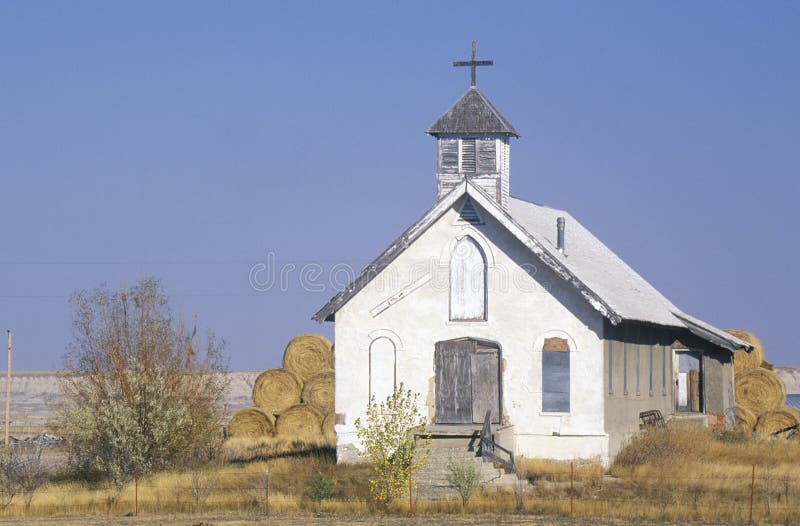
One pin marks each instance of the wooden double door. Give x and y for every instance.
(468, 381)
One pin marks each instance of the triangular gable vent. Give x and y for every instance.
(469, 214)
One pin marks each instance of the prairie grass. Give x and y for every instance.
(678, 474)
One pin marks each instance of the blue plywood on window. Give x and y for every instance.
(610, 366)
(555, 382)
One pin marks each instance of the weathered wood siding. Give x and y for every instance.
(454, 390)
(484, 372)
(467, 382)
(639, 375)
(484, 160)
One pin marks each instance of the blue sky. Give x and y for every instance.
(190, 140)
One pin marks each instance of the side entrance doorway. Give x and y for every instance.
(468, 381)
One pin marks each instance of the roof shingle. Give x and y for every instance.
(472, 114)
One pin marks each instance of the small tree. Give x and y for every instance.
(142, 392)
(8, 483)
(463, 476)
(388, 437)
(22, 472)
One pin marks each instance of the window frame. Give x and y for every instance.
(551, 352)
(701, 381)
(485, 299)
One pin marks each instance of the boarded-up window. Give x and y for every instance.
(467, 281)
(468, 156)
(487, 156)
(448, 156)
(555, 376)
(382, 355)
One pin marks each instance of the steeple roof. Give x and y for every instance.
(472, 113)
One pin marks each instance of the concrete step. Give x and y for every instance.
(432, 480)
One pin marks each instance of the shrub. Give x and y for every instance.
(387, 435)
(463, 476)
(21, 473)
(663, 445)
(320, 486)
(142, 392)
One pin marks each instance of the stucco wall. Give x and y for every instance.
(526, 303)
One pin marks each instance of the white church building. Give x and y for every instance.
(492, 304)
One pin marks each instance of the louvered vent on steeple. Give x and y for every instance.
(469, 214)
(473, 143)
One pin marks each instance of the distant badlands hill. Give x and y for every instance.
(31, 390)
(791, 377)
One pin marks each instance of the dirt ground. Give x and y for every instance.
(298, 520)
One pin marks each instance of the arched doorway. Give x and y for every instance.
(468, 381)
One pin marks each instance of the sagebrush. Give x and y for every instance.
(143, 393)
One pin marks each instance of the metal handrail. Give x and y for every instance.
(489, 448)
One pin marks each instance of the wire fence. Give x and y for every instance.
(762, 497)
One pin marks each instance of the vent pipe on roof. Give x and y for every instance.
(560, 226)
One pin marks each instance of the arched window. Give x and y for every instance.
(382, 355)
(555, 375)
(467, 281)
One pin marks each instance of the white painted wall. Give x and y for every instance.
(526, 303)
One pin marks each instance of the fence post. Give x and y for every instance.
(136, 492)
(266, 491)
(752, 488)
(410, 497)
(571, 486)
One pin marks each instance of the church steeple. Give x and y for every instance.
(473, 142)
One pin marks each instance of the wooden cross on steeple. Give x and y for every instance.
(473, 63)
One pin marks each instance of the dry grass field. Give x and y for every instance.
(676, 475)
(679, 475)
(235, 519)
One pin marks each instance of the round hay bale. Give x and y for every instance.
(251, 422)
(306, 355)
(742, 360)
(328, 424)
(318, 392)
(745, 419)
(777, 420)
(769, 366)
(276, 390)
(760, 390)
(298, 421)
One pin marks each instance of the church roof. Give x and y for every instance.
(609, 285)
(472, 114)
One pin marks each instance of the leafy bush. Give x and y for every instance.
(387, 435)
(463, 476)
(320, 486)
(142, 392)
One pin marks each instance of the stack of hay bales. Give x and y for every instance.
(760, 393)
(296, 400)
